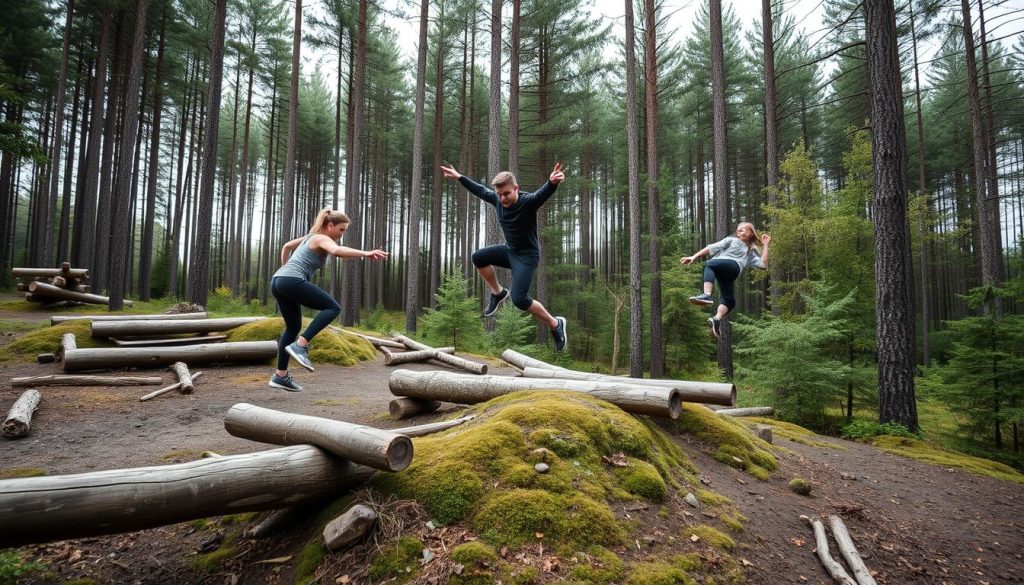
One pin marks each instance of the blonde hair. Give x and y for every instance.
(327, 216)
(755, 238)
(503, 178)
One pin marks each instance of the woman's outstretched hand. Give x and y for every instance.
(376, 254)
(688, 259)
(450, 172)
(766, 239)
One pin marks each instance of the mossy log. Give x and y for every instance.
(421, 355)
(400, 408)
(167, 389)
(167, 326)
(834, 567)
(464, 389)
(57, 319)
(375, 448)
(19, 418)
(82, 380)
(42, 289)
(50, 272)
(748, 411)
(43, 509)
(700, 392)
(523, 361)
(153, 357)
(451, 360)
(849, 551)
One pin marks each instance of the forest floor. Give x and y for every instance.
(913, 522)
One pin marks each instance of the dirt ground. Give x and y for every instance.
(912, 522)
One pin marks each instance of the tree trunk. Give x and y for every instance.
(154, 357)
(129, 328)
(436, 195)
(400, 408)
(721, 164)
(771, 135)
(288, 196)
(56, 319)
(412, 286)
(379, 449)
(19, 418)
(636, 344)
(46, 251)
(926, 302)
(80, 380)
(146, 250)
(657, 365)
(354, 270)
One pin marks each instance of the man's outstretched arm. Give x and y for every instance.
(540, 196)
(472, 186)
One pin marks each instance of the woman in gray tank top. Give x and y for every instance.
(291, 286)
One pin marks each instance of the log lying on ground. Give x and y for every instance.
(42, 509)
(81, 380)
(749, 411)
(429, 428)
(451, 360)
(152, 357)
(56, 319)
(375, 341)
(167, 326)
(384, 450)
(396, 359)
(180, 370)
(41, 289)
(19, 419)
(167, 389)
(522, 361)
(49, 272)
(67, 343)
(400, 408)
(834, 568)
(849, 550)
(165, 342)
(700, 392)
(46, 358)
(464, 389)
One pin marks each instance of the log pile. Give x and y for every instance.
(53, 286)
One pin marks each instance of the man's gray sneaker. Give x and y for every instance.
(301, 355)
(702, 300)
(495, 301)
(558, 334)
(284, 383)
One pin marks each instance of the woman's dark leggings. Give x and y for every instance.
(725, 272)
(292, 294)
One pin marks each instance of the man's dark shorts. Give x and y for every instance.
(523, 267)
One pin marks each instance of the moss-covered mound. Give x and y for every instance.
(735, 445)
(918, 449)
(47, 339)
(327, 347)
(484, 472)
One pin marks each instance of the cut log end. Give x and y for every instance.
(400, 408)
(399, 454)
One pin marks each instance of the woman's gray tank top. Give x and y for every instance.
(303, 262)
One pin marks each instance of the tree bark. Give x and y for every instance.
(721, 164)
(834, 568)
(19, 418)
(700, 392)
(168, 327)
(57, 319)
(451, 360)
(636, 344)
(405, 407)
(657, 364)
(120, 357)
(412, 285)
(849, 551)
(72, 380)
(523, 361)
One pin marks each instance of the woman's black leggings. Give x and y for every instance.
(293, 293)
(725, 272)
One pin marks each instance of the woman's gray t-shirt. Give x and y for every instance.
(304, 262)
(733, 248)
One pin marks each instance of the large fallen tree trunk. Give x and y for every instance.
(167, 327)
(463, 389)
(41, 289)
(152, 357)
(701, 392)
(73, 380)
(57, 319)
(451, 360)
(384, 450)
(19, 419)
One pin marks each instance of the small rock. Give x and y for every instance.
(427, 555)
(763, 432)
(692, 500)
(800, 486)
(351, 526)
(848, 476)
(457, 568)
(705, 480)
(431, 525)
(542, 467)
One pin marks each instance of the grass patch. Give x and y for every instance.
(327, 347)
(16, 472)
(710, 535)
(736, 447)
(659, 573)
(599, 566)
(400, 562)
(17, 326)
(923, 451)
(13, 567)
(47, 339)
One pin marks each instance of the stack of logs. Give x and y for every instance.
(57, 286)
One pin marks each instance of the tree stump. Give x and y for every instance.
(19, 419)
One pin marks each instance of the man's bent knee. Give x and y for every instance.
(522, 301)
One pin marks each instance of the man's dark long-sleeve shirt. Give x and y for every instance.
(518, 222)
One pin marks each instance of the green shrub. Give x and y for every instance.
(859, 430)
(13, 567)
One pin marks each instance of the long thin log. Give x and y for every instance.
(167, 389)
(749, 411)
(152, 357)
(375, 341)
(464, 389)
(56, 319)
(49, 272)
(400, 408)
(19, 418)
(451, 360)
(834, 568)
(41, 289)
(421, 355)
(523, 361)
(849, 550)
(165, 342)
(384, 450)
(700, 392)
(167, 326)
(429, 428)
(185, 385)
(42, 509)
(82, 380)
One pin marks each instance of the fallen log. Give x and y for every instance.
(834, 568)
(49, 272)
(748, 411)
(19, 418)
(429, 428)
(68, 342)
(56, 319)
(523, 361)
(82, 380)
(180, 370)
(167, 326)
(166, 342)
(421, 355)
(43, 509)
(464, 389)
(451, 360)
(46, 358)
(375, 341)
(700, 392)
(151, 357)
(41, 289)
(167, 389)
(384, 450)
(400, 408)
(849, 551)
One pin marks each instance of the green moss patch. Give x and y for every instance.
(598, 566)
(47, 339)
(659, 573)
(327, 347)
(923, 451)
(479, 562)
(399, 562)
(711, 536)
(735, 445)
(16, 472)
(209, 561)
